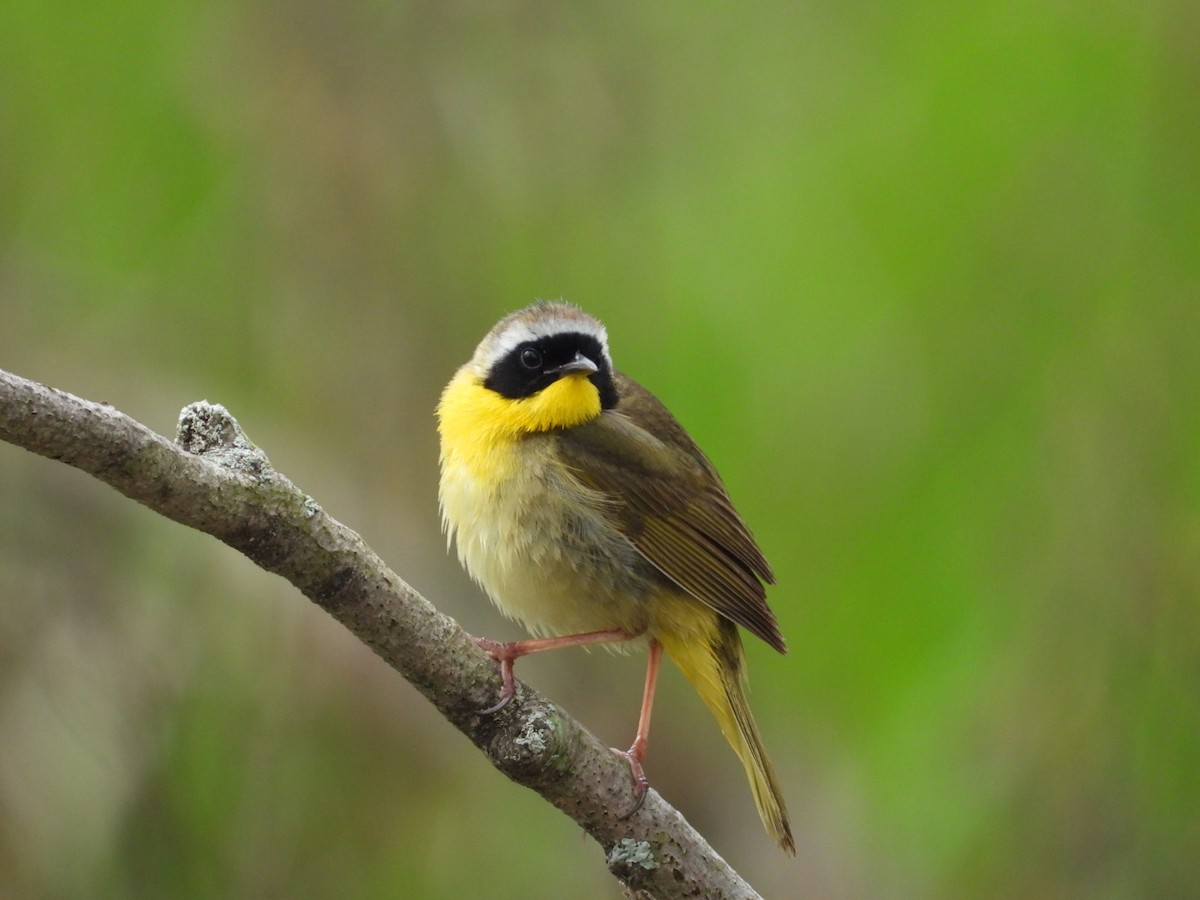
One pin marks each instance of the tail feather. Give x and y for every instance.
(714, 662)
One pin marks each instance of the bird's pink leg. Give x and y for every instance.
(637, 752)
(507, 653)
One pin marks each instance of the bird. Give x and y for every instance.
(587, 513)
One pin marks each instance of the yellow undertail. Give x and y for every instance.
(708, 650)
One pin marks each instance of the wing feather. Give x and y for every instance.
(668, 500)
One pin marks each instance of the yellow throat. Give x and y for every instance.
(474, 421)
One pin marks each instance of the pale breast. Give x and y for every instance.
(541, 545)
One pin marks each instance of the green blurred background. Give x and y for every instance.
(924, 280)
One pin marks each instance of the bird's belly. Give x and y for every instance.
(539, 543)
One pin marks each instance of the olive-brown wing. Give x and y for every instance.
(670, 503)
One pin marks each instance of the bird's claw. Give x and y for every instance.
(500, 652)
(641, 784)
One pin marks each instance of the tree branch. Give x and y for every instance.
(216, 481)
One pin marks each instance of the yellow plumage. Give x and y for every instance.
(550, 530)
(709, 654)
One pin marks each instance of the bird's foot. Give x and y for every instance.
(641, 784)
(504, 654)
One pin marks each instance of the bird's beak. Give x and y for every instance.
(579, 364)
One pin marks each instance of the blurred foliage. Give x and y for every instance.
(923, 278)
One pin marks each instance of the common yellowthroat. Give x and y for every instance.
(587, 513)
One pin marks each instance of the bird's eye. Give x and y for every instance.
(531, 358)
